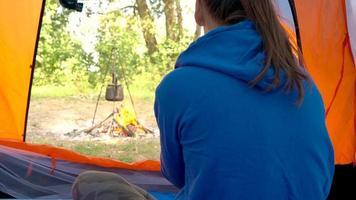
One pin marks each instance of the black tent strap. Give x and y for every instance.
(33, 68)
(296, 23)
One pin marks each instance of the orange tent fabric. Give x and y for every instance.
(328, 57)
(63, 154)
(19, 21)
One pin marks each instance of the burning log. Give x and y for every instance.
(121, 122)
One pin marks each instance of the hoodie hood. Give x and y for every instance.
(235, 50)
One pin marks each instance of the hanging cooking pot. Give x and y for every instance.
(114, 91)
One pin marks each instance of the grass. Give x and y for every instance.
(127, 151)
(130, 151)
(54, 91)
(141, 88)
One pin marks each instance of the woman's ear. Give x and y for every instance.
(199, 13)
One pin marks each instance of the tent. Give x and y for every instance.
(326, 42)
(324, 28)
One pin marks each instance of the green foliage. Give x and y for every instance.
(60, 59)
(119, 43)
(121, 47)
(164, 59)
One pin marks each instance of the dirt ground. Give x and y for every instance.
(50, 120)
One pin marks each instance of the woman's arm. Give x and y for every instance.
(167, 116)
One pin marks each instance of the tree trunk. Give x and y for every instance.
(179, 20)
(169, 12)
(148, 25)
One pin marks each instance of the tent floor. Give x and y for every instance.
(5, 196)
(28, 175)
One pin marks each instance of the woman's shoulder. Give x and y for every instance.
(183, 86)
(185, 78)
(178, 82)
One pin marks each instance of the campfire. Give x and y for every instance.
(120, 123)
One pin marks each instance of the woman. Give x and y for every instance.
(239, 117)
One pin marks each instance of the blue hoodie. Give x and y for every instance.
(223, 140)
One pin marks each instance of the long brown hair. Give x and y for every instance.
(280, 54)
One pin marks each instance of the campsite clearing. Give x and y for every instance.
(51, 121)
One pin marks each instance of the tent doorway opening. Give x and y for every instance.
(94, 82)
